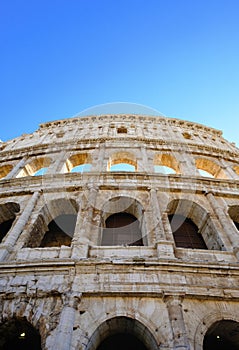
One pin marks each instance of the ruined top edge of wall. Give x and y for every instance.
(166, 121)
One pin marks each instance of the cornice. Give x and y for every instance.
(98, 273)
(74, 182)
(189, 147)
(129, 118)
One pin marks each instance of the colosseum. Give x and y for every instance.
(119, 232)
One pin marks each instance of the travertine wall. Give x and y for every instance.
(74, 295)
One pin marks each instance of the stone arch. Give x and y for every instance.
(122, 222)
(222, 335)
(78, 162)
(17, 333)
(37, 166)
(210, 167)
(8, 213)
(166, 163)
(122, 329)
(5, 170)
(181, 211)
(209, 323)
(123, 158)
(54, 225)
(233, 212)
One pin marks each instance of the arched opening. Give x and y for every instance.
(4, 170)
(205, 173)
(209, 168)
(60, 231)
(78, 163)
(40, 172)
(8, 213)
(192, 226)
(122, 333)
(233, 212)
(54, 225)
(166, 164)
(122, 161)
(123, 223)
(162, 169)
(122, 229)
(185, 232)
(5, 227)
(122, 167)
(83, 168)
(36, 167)
(121, 341)
(222, 335)
(19, 334)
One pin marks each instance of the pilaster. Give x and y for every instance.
(57, 165)
(65, 328)
(82, 238)
(165, 248)
(16, 169)
(229, 238)
(17, 229)
(175, 313)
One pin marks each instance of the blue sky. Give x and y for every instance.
(59, 57)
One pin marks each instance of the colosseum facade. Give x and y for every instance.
(119, 231)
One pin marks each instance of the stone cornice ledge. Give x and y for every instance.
(108, 180)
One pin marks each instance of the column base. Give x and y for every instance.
(165, 250)
(80, 251)
(4, 252)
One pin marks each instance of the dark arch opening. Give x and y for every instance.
(8, 213)
(122, 333)
(60, 231)
(122, 229)
(121, 341)
(5, 227)
(233, 212)
(236, 224)
(185, 232)
(222, 335)
(19, 334)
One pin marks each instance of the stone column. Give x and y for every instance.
(57, 165)
(187, 163)
(98, 161)
(175, 313)
(139, 130)
(144, 164)
(157, 216)
(105, 130)
(228, 170)
(226, 225)
(65, 328)
(84, 225)
(165, 248)
(17, 229)
(16, 169)
(150, 156)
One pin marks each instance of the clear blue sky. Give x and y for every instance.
(59, 57)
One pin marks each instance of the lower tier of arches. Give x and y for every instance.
(103, 323)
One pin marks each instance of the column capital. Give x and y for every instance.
(71, 299)
(173, 299)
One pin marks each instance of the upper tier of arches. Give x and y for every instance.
(121, 221)
(132, 160)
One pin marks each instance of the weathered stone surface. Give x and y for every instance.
(166, 295)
